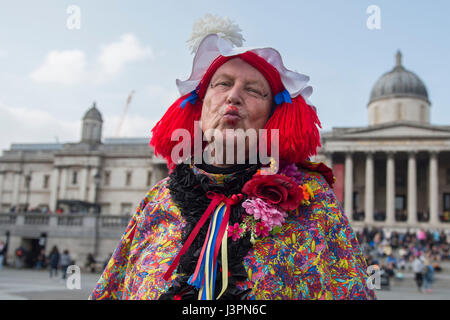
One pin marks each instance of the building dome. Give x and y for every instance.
(91, 131)
(399, 83)
(93, 114)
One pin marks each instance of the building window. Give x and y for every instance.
(400, 177)
(27, 181)
(74, 177)
(400, 208)
(105, 208)
(446, 201)
(448, 176)
(46, 181)
(355, 201)
(399, 112)
(107, 178)
(125, 208)
(446, 212)
(377, 115)
(149, 178)
(128, 179)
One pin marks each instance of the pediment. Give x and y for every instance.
(399, 130)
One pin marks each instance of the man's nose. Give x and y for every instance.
(235, 95)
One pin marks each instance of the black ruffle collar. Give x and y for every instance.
(188, 189)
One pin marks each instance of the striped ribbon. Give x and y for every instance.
(204, 276)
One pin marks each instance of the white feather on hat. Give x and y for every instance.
(224, 27)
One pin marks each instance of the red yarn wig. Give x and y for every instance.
(296, 121)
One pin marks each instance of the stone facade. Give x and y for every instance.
(394, 173)
(115, 174)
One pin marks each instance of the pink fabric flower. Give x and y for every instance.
(235, 231)
(261, 230)
(268, 214)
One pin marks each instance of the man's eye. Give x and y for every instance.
(254, 91)
(223, 83)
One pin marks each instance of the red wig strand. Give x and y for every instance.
(299, 135)
(174, 118)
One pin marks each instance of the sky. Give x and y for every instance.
(52, 67)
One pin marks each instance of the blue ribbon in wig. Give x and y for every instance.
(283, 96)
(192, 99)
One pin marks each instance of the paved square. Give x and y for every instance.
(26, 284)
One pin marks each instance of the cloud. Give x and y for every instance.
(115, 55)
(70, 67)
(133, 125)
(66, 67)
(161, 96)
(30, 125)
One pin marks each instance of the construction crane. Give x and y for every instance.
(122, 119)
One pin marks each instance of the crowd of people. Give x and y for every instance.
(54, 261)
(421, 252)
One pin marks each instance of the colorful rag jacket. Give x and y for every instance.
(315, 254)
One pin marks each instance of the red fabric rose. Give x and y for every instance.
(275, 189)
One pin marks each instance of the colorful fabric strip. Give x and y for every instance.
(215, 200)
(204, 276)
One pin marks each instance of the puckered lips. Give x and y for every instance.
(231, 115)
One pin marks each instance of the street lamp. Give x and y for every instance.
(27, 186)
(97, 180)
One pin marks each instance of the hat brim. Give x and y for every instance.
(213, 46)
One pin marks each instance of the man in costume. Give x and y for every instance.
(239, 231)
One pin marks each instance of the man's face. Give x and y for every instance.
(238, 97)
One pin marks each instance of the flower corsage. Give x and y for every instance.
(270, 197)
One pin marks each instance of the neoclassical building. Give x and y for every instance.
(395, 171)
(112, 175)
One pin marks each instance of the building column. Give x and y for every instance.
(83, 183)
(2, 177)
(369, 198)
(63, 186)
(93, 188)
(348, 188)
(329, 160)
(91, 193)
(54, 189)
(390, 189)
(16, 190)
(412, 189)
(434, 189)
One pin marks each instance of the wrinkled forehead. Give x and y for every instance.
(245, 62)
(237, 69)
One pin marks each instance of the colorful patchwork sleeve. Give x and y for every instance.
(111, 283)
(344, 258)
(109, 286)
